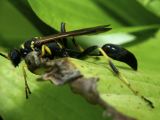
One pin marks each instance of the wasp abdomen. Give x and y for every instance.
(121, 54)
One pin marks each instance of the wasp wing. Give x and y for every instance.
(85, 31)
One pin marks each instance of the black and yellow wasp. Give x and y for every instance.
(55, 46)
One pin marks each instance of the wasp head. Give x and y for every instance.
(15, 57)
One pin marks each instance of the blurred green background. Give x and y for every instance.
(135, 25)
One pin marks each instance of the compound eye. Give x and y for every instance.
(15, 57)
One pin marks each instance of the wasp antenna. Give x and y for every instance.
(5, 56)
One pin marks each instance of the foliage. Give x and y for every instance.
(134, 23)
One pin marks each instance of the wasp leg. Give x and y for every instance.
(77, 45)
(114, 70)
(123, 79)
(87, 51)
(5, 56)
(63, 29)
(27, 89)
(113, 67)
(121, 54)
(45, 50)
(64, 40)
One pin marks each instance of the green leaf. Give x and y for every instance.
(46, 101)
(135, 34)
(81, 14)
(78, 14)
(59, 102)
(74, 13)
(152, 5)
(145, 81)
(52, 102)
(15, 27)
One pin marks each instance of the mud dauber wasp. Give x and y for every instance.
(54, 46)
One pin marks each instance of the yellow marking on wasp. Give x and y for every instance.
(42, 50)
(104, 54)
(80, 48)
(48, 50)
(120, 75)
(45, 49)
(22, 46)
(32, 45)
(36, 37)
(59, 45)
(77, 45)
